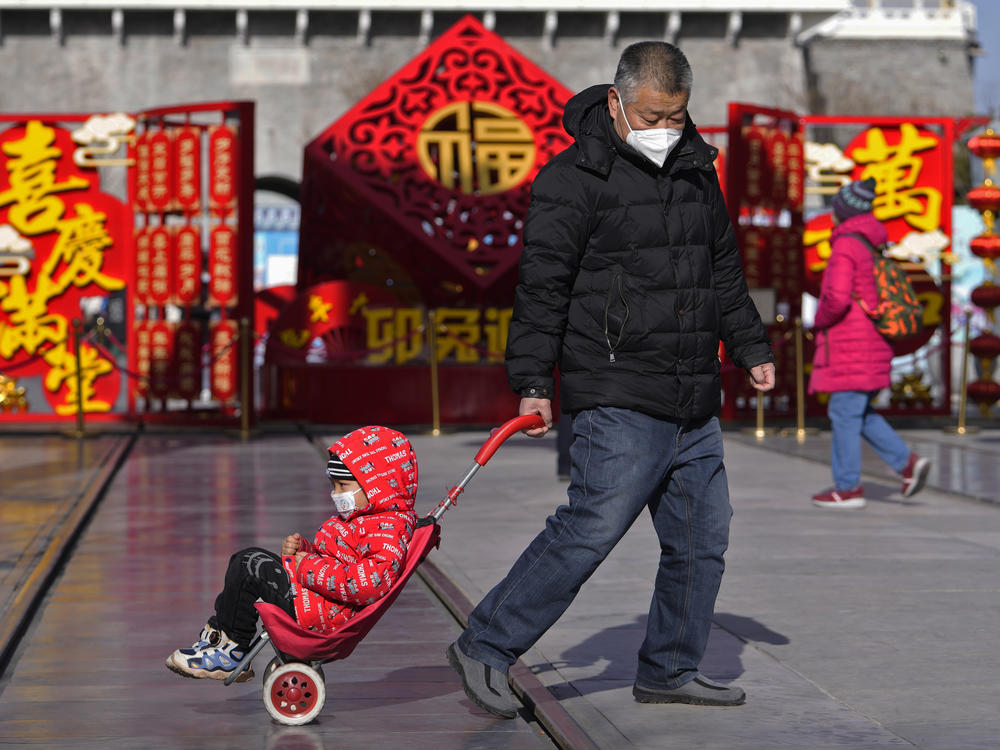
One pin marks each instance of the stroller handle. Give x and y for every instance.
(491, 446)
(504, 431)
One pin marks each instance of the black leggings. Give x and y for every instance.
(253, 573)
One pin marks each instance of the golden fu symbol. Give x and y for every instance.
(476, 148)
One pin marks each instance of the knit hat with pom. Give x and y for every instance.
(854, 199)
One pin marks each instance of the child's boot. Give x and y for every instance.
(214, 655)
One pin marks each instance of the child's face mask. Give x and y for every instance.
(344, 501)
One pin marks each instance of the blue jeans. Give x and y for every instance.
(853, 418)
(621, 462)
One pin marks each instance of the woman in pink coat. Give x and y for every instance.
(852, 358)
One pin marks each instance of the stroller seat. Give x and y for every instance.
(292, 640)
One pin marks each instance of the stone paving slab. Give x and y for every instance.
(90, 674)
(872, 628)
(960, 464)
(48, 486)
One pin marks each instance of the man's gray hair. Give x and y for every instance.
(657, 64)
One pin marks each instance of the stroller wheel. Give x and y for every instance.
(294, 693)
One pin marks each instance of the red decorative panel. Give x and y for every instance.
(143, 356)
(161, 171)
(142, 266)
(143, 168)
(160, 264)
(224, 370)
(222, 266)
(435, 165)
(187, 149)
(187, 356)
(187, 265)
(222, 172)
(161, 361)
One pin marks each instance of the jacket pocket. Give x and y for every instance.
(616, 314)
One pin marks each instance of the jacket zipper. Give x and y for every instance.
(617, 280)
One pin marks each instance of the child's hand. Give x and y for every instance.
(299, 556)
(291, 544)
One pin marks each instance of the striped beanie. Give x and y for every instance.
(335, 468)
(854, 199)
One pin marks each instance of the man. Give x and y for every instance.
(630, 277)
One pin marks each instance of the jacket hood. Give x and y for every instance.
(587, 119)
(865, 224)
(383, 462)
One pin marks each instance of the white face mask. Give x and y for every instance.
(655, 144)
(344, 502)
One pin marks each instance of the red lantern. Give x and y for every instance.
(986, 246)
(985, 346)
(984, 392)
(985, 145)
(986, 296)
(985, 197)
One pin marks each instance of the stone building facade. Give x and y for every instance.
(306, 64)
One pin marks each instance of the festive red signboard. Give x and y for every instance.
(434, 167)
(61, 239)
(910, 165)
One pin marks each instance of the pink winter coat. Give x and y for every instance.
(851, 355)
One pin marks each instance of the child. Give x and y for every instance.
(853, 360)
(353, 560)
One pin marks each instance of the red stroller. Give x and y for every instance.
(294, 686)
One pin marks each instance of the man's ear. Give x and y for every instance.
(614, 102)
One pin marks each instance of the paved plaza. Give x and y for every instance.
(860, 629)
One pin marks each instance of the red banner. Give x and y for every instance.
(222, 174)
(222, 266)
(758, 183)
(143, 167)
(187, 149)
(224, 360)
(796, 171)
(143, 356)
(188, 265)
(161, 350)
(142, 266)
(752, 244)
(188, 360)
(161, 171)
(160, 264)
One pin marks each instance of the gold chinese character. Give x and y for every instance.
(476, 147)
(36, 208)
(64, 371)
(461, 334)
(896, 170)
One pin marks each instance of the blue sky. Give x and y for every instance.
(987, 67)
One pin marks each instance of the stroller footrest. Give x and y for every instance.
(259, 642)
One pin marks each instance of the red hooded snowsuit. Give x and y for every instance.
(851, 355)
(354, 561)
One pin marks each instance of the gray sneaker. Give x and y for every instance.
(700, 691)
(485, 686)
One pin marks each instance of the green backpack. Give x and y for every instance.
(899, 313)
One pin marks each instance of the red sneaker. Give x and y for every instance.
(841, 499)
(915, 474)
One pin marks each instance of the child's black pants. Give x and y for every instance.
(253, 574)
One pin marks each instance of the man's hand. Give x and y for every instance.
(291, 544)
(762, 377)
(541, 407)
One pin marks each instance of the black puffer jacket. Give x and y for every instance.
(630, 276)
